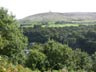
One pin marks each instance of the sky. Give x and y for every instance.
(23, 8)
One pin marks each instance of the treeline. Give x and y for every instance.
(83, 37)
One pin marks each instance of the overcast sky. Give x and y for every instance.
(23, 8)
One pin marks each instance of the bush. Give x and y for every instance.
(36, 60)
(7, 66)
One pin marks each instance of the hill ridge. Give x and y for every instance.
(57, 16)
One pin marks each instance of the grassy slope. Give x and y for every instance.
(78, 18)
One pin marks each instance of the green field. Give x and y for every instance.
(55, 25)
(60, 25)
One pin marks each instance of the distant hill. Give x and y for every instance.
(55, 16)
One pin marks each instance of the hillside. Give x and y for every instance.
(75, 17)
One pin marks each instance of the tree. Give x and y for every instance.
(12, 40)
(36, 59)
(94, 62)
(57, 54)
(81, 60)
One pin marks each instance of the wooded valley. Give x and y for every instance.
(46, 47)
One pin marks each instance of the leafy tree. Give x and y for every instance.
(36, 60)
(57, 54)
(12, 41)
(81, 60)
(94, 62)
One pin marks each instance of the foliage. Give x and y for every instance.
(54, 55)
(80, 60)
(83, 37)
(94, 61)
(7, 66)
(56, 49)
(35, 60)
(57, 54)
(12, 41)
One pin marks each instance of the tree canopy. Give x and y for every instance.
(12, 40)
